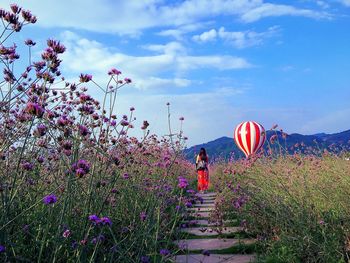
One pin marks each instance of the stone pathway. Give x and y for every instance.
(207, 237)
(211, 230)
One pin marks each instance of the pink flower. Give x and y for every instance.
(114, 71)
(66, 233)
(29, 42)
(127, 80)
(34, 109)
(85, 78)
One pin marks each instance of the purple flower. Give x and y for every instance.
(66, 233)
(2, 249)
(145, 125)
(27, 166)
(85, 78)
(81, 168)
(94, 219)
(79, 172)
(56, 46)
(99, 238)
(164, 252)
(238, 203)
(114, 71)
(40, 159)
(50, 199)
(145, 259)
(188, 204)
(127, 80)
(26, 229)
(74, 244)
(29, 42)
(15, 9)
(124, 123)
(83, 130)
(143, 216)
(182, 182)
(106, 221)
(126, 176)
(34, 109)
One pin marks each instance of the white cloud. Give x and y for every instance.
(238, 39)
(131, 17)
(171, 59)
(267, 10)
(169, 48)
(206, 36)
(216, 62)
(322, 4)
(179, 32)
(345, 2)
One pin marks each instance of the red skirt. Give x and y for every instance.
(203, 180)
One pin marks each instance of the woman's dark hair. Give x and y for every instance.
(202, 154)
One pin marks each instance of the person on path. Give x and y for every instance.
(202, 162)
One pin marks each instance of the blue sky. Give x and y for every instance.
(218, 62)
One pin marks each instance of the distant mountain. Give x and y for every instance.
(225, 147)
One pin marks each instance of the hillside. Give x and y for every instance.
(225, 147)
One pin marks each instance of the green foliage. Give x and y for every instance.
(296, 206)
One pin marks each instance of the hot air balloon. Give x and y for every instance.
(249, 137)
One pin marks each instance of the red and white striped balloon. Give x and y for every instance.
(249, 137)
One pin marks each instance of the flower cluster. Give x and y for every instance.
(81, 168)
(50, 199)
(182, 182)
(57, 133)
(100, 221)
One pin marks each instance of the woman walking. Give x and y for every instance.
(202, 161)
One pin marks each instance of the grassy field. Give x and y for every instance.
(297, 206)
(75, 186)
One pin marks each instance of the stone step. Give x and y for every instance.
(214, 258)
(206, 195)
(205, 222)
(211, 243)
(205, 205)
(211, 231)
(201, 214)
(200, 209)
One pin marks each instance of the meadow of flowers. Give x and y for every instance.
(297, 206)
(74, 185)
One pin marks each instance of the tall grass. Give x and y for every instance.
(74, 185)
(296, 205)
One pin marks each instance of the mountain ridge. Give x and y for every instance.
(225, 147)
